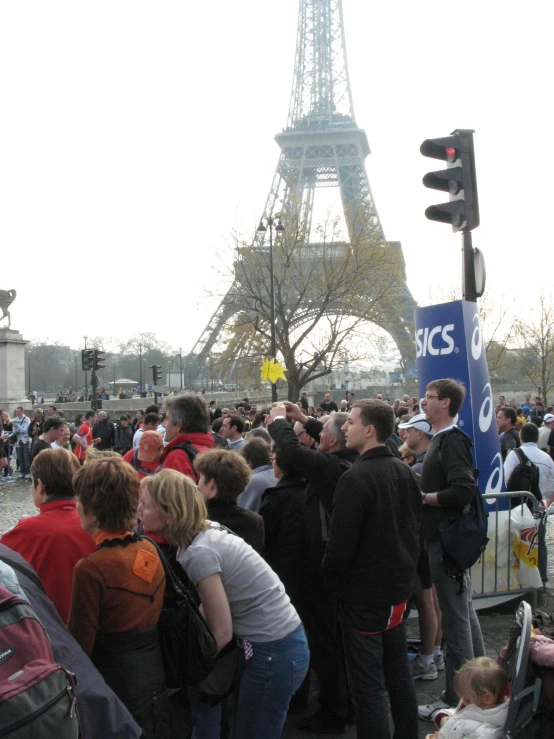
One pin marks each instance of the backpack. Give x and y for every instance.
(524, 477)
(189, 448)
(135, 462)
(37, 696)
(463, 539)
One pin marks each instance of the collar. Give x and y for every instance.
(197, 439)
(101, 536)
(378, 451)
(446, 428)
(215, 503)
(57, 502)
(262, 468)
(529, 443)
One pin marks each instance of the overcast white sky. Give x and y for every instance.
(135, 136)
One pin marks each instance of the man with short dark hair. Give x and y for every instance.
(215, 411)
(123, 436)
(304, 401)
(187, 423)
(506, 420)
(231, 429)
(151, 422)
(51, 432)
(83, 437)
(448, 485)
(370, 562)
(349, 401)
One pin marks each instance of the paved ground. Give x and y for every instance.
(15, 502)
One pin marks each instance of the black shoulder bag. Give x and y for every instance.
(188, 647)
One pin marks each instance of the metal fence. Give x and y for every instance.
(527, 500)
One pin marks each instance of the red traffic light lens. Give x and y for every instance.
(451, 154)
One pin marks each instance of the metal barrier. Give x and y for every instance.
(527, 500)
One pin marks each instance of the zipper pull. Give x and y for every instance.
(73, 700)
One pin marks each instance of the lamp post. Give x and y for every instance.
(140, 369)
(180, 368)
(76, 366)
(86, 374)
(272, 223)
(113, 378)
(169, 362)
(29, 370)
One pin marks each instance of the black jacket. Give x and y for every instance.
(328, 407)
(123, 439)
(101, 712)
(104, 430)
(282, 510)
(373, 545)
(246, 524)
(321, 472)
(447, 470)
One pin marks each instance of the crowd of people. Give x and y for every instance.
(305, 533)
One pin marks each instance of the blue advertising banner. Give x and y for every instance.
(449, 344)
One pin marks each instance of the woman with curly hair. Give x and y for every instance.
(118, 592)
(241, 597)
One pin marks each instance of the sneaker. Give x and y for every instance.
(421, 672)
(429, 711)
(439, 662)
(321, 724)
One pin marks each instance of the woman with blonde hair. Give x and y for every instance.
(118, 592)
(241, 596)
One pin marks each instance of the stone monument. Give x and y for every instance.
(12, 358)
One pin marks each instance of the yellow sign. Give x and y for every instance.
(272, 371)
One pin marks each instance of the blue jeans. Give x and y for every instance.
(376, 665)
(24, 458)
(207, 719)
(460, 626)
(271, 677)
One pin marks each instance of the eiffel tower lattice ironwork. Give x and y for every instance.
(322, 146)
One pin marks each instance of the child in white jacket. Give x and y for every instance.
(481, 684)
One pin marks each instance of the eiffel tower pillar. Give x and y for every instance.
(322, 146)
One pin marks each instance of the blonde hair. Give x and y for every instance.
(478, 676)
(180, 501)
(92, 454)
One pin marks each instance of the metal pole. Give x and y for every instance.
(180, 369)
(114, 378)
(29, 357)
(76, 365)
(469, 289)
(86, 376)
(140, 369)
(169, 364)
(272, 298)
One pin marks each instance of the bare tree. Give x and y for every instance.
(533, 338)
(326, 296)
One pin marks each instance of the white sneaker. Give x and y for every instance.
(439, 661)
(422, 672)
(428, 712)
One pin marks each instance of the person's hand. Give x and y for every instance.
(294, 412)
(97, 441)
(278, 411)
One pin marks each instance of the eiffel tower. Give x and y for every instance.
(322, 146)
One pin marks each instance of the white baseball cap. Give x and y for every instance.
(419, 422)
(548, 418)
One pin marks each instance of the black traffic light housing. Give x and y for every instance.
(156, 372)
(458, 179)
(86, 359)
(98, 358)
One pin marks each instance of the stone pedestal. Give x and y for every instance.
(12, 369)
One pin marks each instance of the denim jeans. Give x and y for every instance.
(460, 626)
(271, 677)
(24, 458)
(377, 665)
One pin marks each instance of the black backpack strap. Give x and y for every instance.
(33, 577)
(521, 455)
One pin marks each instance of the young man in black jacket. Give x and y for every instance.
(370, 562)
(448, 485)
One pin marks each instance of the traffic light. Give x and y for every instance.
(86, 359)
(458, 179)
(156, 372)
(98, 358)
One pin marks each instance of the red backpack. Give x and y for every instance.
(37, 696)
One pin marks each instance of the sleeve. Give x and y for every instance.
(199, 562)
(317, 468)
(86, 601)
(510, 463)
(510, 442)
(348, 516)
(457, 466)
(81, 432)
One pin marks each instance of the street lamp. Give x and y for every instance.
(86, 374)
(279, 228)
(169, 362)
(180, 369)
(29, 368)
(113, 377)
(140, 369)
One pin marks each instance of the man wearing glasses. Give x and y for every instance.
(448, 485)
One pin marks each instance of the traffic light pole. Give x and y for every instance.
(94, 382)
(469, 287)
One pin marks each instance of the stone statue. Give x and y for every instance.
(6, 299)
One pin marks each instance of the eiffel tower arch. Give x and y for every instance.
(322, 146)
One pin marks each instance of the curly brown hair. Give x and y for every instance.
(227, 469)
(108, 489)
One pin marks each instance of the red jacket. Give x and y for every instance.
(53, 542)
(179, 460)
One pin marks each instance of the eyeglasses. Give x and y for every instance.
(428, 397)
